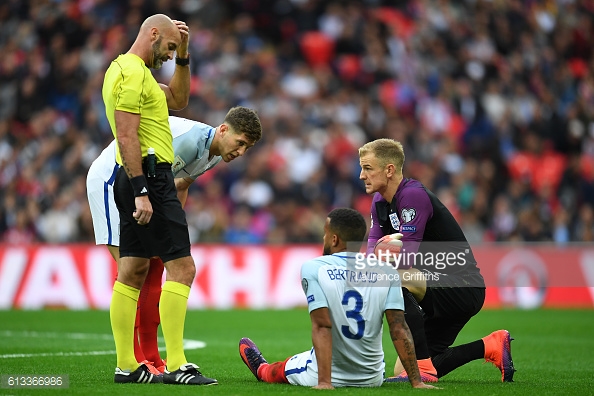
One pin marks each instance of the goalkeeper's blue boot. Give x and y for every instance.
(498, 352)
(251, 356)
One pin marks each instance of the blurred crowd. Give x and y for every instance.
(493, 101)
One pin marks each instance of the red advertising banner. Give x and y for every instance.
(533, 276)
(253, 276)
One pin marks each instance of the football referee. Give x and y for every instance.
(152, 221)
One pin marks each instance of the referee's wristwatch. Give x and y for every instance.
(182, 61)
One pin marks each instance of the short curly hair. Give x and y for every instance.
(348, 224)
(245, 121)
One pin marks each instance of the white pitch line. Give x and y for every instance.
(29, 355)
(188, 344)
(72, 336)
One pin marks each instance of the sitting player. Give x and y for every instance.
(346, 314)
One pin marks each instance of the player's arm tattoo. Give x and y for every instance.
(403, 342)
(124, 162)
(127, 125)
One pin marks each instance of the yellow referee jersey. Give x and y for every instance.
(129, 86)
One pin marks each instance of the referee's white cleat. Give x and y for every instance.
(142, 375)
(187, 374)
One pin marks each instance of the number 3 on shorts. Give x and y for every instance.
(355, 314)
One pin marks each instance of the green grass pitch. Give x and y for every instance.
(553, 352)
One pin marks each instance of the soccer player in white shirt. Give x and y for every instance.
(347, 299)
(197, 148)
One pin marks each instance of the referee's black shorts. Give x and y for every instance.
(166, 235)
(447, 310)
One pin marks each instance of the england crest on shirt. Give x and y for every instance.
(395, 221)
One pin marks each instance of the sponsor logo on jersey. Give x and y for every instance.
(372, 222)
(408, 228)
(395, 221)
(311, 298)
(178, 164)
(408, 214)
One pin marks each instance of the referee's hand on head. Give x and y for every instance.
(144, 210)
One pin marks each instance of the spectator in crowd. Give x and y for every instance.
(491, 99)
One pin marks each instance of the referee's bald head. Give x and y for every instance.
(159, 21)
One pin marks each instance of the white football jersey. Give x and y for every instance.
(356, 303)
(191, 144)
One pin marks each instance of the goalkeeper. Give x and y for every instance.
(448, 293)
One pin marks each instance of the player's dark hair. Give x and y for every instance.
(244, 120)
(348, 224)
